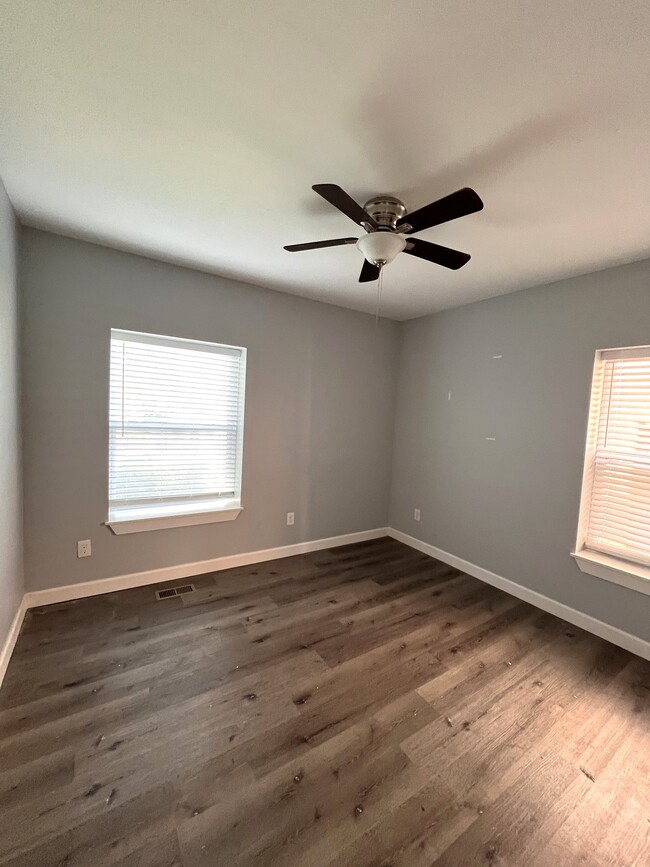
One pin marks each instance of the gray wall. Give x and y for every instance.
(319, 408)
(319, 418)
(511, 506)
(11, 566)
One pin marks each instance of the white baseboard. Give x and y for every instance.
(188, 570)
(10, 642)
(617, 636)
(68, 592)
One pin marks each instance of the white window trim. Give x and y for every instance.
(625, 573)
(222, 510)
(123, 526)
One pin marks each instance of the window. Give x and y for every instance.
(176, 423)
(614, 526)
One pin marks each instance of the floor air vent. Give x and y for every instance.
(174, 591)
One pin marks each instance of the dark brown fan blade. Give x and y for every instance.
(316, 245)
(458, 204)
(444, 256)
(369, 272)
(340, 199)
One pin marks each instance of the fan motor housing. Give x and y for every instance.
(386, 210)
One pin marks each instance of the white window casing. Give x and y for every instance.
(176, 423)
(614, 525)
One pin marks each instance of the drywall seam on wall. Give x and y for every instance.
(590, 624)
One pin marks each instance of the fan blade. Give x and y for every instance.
(316, 245)
(444, 256)
(369, 272)
(458, 204)
(340, 199)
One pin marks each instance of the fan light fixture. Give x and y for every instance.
(380, 248)
(386, 221)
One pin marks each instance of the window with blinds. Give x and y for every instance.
(615, 512)
(175, 426)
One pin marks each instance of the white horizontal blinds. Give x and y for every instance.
(619, 515)
(176, 410)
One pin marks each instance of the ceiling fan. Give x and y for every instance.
(386, 222)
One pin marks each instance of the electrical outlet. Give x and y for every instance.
(416, 514)
(291, 519)
(83, 548)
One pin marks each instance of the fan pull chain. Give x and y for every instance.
(380, 286)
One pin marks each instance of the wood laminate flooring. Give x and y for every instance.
(364, 705)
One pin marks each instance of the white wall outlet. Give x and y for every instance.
(291, 519)
(416, 514)
(83, 548)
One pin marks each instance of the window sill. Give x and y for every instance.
(122, 526)
(630, 575)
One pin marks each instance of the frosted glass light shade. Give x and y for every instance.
(381, 247)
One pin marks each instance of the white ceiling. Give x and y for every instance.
(192, 130)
